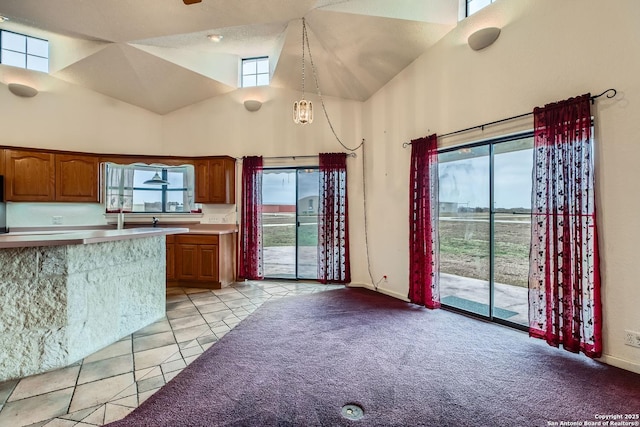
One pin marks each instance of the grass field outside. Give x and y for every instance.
(464, 243)
(464, 247)
(280, 230)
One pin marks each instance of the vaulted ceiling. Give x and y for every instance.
(156, 54)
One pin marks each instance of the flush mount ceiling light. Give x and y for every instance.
(156, 180)
(3, 18)
(22, 90)
(252, 105)
(303, 109)
(217, 38)
(483, 38)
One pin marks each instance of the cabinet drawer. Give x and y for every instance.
(192, 239)
(171, 238)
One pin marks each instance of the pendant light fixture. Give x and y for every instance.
(156, 180)
(303, 109)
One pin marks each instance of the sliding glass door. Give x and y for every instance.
(464, 227)
(485, 223)
(290, 223)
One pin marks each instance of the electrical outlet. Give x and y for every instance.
(56, 220)
(632, 338)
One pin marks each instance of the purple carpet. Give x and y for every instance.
(297, 361)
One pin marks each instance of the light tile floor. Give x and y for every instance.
(110, 383)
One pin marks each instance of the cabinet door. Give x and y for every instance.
(222, 174)
(208, 262)
(30, 176)
(202, 181)
(76, 178)
(187, 262)
(2, 171)
(171, 265)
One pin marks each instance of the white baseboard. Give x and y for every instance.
(620, 363)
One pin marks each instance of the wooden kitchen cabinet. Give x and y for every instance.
(2, 172)
(197, 257)
(215, 180)
(30, 176)
(36, 176)
(186, 261)
(203, 260)
(76, 178)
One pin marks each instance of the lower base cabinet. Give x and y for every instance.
(201, 260)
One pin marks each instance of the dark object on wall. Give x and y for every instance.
(3, 208)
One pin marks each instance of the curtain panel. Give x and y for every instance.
(250, 260)
(333, 220)
(119, 188)
(564, 276)
(423, 223)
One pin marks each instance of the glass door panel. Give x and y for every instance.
(290, 223)
(513, 162)
(308, 191)
(279, 223)
(464, 229)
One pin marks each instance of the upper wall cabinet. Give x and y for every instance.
(76, 178)
(50, 176)
(215, 180)
(30, 176)
(33, 176)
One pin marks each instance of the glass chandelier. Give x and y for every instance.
(303, 109)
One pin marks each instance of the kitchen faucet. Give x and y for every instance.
(155, 221)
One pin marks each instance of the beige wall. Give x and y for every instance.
(64, 116)
(548, 50)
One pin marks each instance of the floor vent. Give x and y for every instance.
(352, 412)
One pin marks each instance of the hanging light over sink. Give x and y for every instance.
(156, 180)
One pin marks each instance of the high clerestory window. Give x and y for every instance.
(255, 71)
(475, 5)
(19, 50)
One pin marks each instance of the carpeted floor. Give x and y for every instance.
(297, 361)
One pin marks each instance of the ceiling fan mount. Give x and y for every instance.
(188, 2)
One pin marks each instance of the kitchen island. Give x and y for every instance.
(66, 295)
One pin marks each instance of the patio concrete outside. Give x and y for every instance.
(280, 262)
(507, 297)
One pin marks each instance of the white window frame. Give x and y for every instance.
(27, 53)
(247, 72)
(467, 2)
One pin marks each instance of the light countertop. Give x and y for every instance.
(81, 237)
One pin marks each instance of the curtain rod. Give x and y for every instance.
(308, 156)
(610, 94)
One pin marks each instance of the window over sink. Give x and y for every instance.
(142, 188)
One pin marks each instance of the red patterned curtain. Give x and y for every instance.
(333, 220)
(423, 223)
(250, 262)
(564, 276)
